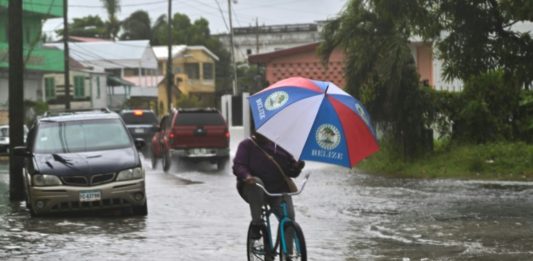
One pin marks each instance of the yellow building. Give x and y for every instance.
(194, 74)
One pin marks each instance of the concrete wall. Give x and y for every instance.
(307, 65)
(32, 87)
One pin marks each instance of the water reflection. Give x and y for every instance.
(23, 235)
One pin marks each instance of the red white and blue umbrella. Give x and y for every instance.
(314, 120)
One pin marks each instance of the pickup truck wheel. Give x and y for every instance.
(153, 159)
(166, 161)
(221, 163)
(154, 162)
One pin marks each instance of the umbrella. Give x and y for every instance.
(314, 120)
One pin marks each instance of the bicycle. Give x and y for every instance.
(291, 242)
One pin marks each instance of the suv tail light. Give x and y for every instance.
(227, 134)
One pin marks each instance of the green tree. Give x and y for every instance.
(137, 26)
(88, 26)
(112, 25)
(479, 36)
(380, 69)
(160, 31)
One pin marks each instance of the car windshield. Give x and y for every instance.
(139, 117)
(199, 118)
(81, 136)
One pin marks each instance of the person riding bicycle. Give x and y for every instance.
(259, 160)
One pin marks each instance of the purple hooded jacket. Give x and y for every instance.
(251, 161)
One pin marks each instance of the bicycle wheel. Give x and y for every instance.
(258, 249)
(294, 248)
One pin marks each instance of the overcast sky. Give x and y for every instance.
(245, 12)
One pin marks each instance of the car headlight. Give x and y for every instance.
(128, 174)
(46, 180)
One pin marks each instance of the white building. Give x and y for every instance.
(130, 65)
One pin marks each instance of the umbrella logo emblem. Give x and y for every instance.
(328, 136)
(361, 112)
(276, 100)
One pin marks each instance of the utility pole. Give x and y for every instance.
(66, 54)
(170, 77)
(234, 81)
(16, 98)
(256, 36)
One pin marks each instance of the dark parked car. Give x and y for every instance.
(140, 123)
(82, 161)
(199, 134)
(4, 138)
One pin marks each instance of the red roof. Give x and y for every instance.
(268, 57)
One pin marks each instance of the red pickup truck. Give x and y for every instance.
(197, 134)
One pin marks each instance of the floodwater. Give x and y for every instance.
(195, 213)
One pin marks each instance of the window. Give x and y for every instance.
(248, 51)
(81, 136)
(192, 70)
(49, 88)
(79, 86)
(97, 87)
(208, 71)
(114, 72)
(178, 69)
(131, 72)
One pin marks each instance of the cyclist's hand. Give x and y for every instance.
(249, 180)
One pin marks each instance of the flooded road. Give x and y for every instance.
(195, 213)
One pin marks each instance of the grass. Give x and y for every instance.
(495, 161)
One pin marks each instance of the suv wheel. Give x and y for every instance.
(140, 210)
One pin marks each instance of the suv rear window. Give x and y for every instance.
(140, 117)
(199, 118)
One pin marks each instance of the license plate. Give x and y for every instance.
(92, 195)
(200, 151)
(139, 130)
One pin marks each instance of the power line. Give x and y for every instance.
(222, 14)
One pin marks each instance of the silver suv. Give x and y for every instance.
(82, 161)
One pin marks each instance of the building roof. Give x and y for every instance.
(267, 57)
(161, 52)
(112, 54)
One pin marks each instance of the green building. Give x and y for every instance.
(38, 60)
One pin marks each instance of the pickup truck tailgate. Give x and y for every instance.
(208, 136)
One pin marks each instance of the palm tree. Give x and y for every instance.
(380, 69)
(137, 26)
(112, 24)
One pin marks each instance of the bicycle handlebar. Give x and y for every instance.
(286, 193)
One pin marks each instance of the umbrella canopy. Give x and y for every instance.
(314, 120)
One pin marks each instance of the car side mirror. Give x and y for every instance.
(139, 143)
(21, 151)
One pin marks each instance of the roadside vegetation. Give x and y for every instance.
(484, 130)
(491, 161)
